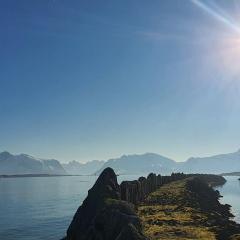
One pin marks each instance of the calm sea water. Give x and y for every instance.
(42, 208)
(231, 195)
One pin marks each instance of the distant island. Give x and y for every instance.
(231, 174)
(178, 206)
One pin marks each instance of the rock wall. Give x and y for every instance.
(137, 190)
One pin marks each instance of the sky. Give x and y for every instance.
(83, 80)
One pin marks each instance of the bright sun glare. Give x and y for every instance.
(226, 48)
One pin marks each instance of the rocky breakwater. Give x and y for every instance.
(109, 211)
(103, 215)
(188, 209)
(136, 191)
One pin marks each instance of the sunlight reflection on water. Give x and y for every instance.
(231, 195)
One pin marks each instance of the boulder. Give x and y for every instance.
(103, 215)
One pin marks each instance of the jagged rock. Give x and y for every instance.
(113, 221)
(136, 191)
(143, 189)
(131, 191)
(103, 216)
(130, 233)
(159, 180)
(235, 237)
(152, 182)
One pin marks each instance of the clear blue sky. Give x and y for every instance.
(90, 80)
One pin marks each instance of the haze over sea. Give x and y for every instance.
(42, 208)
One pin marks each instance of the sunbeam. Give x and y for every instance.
(224, 54)
(217, 15)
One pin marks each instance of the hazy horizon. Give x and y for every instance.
(119, 156)
(84, 81)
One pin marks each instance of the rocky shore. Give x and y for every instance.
(157, 207)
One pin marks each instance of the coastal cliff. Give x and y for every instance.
(157, 207)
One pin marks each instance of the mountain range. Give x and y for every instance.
(144, 163)
(127, 164)
(24, 164)
(217, 164)
(75, 167)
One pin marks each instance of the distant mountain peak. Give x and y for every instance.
(28, 156)
(24, 164)
(5, 155)
(140, 163)
(5, 152)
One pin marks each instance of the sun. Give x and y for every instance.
(228, 54)
(225, 51)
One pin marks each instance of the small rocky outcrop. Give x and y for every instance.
(103, 215)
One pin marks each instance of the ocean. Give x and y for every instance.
(41, 208)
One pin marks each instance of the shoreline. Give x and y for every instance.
(232, 182)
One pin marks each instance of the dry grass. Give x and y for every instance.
(173, 218)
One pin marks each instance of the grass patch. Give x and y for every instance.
(174, 212)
